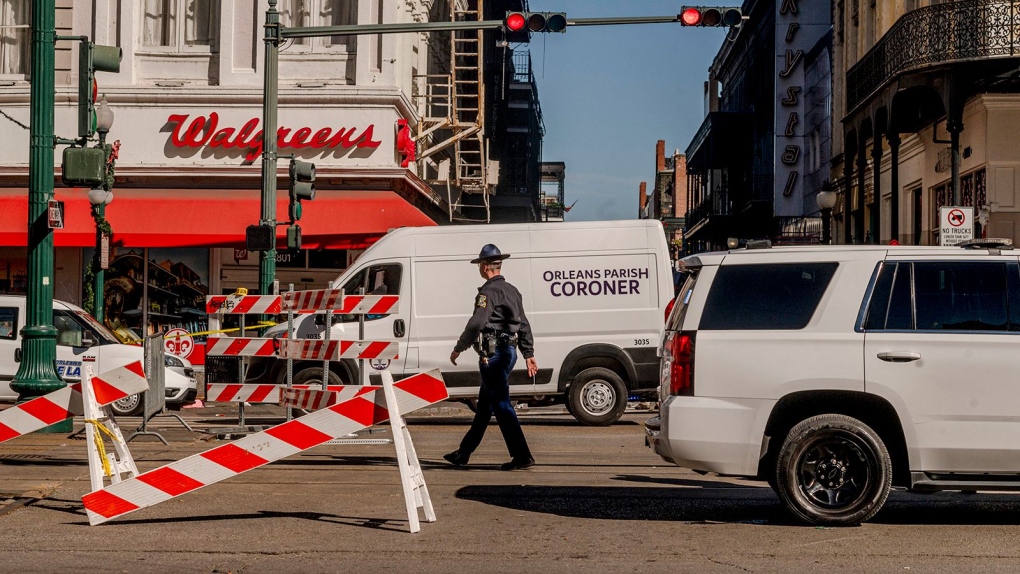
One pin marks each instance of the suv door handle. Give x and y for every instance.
(899, 357)
(398, 328)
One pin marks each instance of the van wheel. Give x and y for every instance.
(833, 470)
(598, 397)
(128, 406)
(313, 376)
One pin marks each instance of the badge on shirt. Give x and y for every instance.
(480, 301)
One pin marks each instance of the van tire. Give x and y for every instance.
(128, 406)
(597, 397)
(827, 457)
(313, 376)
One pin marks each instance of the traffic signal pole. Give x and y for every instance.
(267, 259)
(36, 374)
(276, 33)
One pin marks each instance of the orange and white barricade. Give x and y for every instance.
(66, 403)
(368, 406)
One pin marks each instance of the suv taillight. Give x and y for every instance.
(680, 347)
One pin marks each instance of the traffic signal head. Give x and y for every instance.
(535, 21)
(302, 186)
(729, 16)
(92, 58)
(302, 180)
(294, 237)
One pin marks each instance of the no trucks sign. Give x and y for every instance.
(956, 225)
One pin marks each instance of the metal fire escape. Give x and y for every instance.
(451, 132)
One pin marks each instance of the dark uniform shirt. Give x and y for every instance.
(499, 307)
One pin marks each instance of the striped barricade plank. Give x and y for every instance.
(240, 347)
(242, 304)
(235, 393)
(65, 403)
(255, 450)
(313, 300)
(336, 300)
(314, 399)
(317, 350)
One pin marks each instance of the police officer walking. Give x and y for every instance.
(497, 326)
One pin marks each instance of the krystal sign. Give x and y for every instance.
(205, 131)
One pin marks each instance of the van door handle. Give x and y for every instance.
(17, 355)
(398, 328)
(899, 357)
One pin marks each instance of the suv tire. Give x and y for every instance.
(597, 397)
(833, 470)
(128, 406)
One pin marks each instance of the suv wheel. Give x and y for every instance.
(128, 406)
(597, 397)
(833, 470)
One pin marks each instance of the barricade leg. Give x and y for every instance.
(416, 493)
(99, 422)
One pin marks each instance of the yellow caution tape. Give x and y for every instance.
(101, 446)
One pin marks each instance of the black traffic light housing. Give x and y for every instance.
(722, 16)
(92, 58)
(535, 22)
(302, 186)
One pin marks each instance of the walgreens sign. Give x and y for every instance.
(206, 131)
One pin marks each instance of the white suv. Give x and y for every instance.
(835, 373)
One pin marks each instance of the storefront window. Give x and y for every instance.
(14, 33)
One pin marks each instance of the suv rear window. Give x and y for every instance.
(779, 296)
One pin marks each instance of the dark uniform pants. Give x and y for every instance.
(494, 398)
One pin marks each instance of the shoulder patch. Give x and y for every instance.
(481, 301)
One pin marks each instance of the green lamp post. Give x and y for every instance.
(37, 374)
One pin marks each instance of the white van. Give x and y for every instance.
(595, 293)
(78, 333)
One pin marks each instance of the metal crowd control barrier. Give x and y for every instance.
(155, 396)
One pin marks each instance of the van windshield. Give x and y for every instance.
(72, 326)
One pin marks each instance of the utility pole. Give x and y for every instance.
(267, 259)
(36, 374)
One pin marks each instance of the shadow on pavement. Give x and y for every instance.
(74, 507)
(711, 502)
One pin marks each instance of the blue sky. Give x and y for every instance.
(608, 93)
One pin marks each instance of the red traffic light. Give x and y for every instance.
(515, 21)
(715, 16)
(691, 17)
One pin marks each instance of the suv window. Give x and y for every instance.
(676, 317)
(945, 296)
(779, 296)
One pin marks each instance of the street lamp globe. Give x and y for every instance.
(826, 199)
(100, 196)
(104, 116)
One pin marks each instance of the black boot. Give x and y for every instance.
(456, 458)
(518, 463)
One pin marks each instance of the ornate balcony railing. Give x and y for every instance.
(936, 35)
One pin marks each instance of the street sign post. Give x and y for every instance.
(956, 225)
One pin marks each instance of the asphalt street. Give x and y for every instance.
(597, 501)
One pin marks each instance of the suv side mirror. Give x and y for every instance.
(87, 340)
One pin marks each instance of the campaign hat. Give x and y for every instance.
(489, 253)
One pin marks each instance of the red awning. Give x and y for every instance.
(213, 217)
